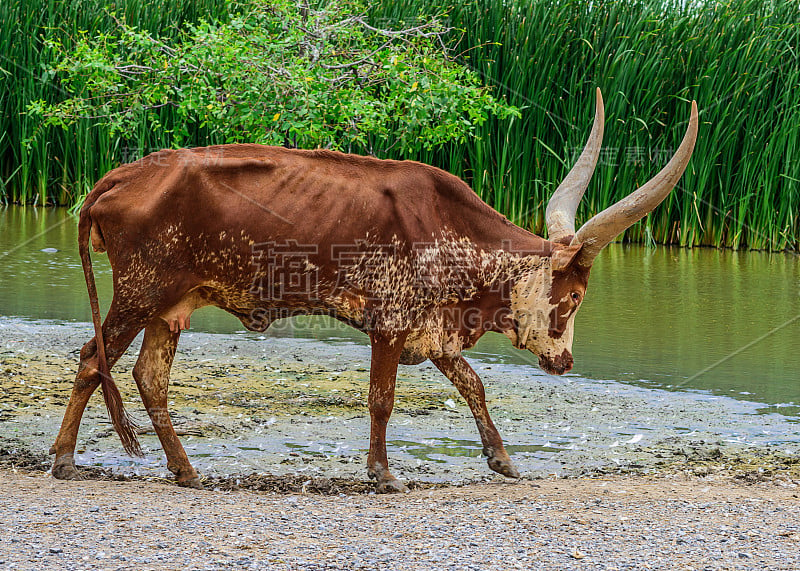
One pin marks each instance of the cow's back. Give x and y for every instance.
(216, 215)
(272, 193)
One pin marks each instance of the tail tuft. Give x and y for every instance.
(123, 423)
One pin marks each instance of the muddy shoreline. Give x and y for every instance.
(289, 415)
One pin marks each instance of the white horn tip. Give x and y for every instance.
(693, 121)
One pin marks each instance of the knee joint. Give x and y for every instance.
(87, 378)
(381, 411)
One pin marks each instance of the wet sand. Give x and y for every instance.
(245, 404)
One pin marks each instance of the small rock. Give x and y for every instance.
(577, 554)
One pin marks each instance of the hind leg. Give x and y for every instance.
(152, 377)
(118, 332)
(86, 382)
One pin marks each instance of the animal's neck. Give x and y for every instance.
(498, 272)
(463, 213)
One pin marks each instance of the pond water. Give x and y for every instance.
(718, 321)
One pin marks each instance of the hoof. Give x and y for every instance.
(503, 466)
(192, 483)
(64, 469)
(391, 487)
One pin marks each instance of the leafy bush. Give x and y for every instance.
(277, 72)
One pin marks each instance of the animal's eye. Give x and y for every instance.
(576, 297)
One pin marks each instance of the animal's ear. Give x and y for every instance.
(563, 257)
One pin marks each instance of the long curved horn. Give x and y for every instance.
(611, 222)
(560, 213)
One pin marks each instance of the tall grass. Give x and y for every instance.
(50, 165)
(739, 59)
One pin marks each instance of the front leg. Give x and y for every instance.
(382, 376)
(469, 384)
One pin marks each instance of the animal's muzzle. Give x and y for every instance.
(557, 365)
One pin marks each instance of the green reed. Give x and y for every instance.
(740, 60)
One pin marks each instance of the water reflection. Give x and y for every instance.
(652, 316)
(439, 449)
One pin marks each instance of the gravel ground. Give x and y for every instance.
(614, 523)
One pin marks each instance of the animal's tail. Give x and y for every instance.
(122, 423)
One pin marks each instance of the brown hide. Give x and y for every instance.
(218, 220)
(398, 249)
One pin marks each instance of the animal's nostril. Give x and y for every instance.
(557, 365)
(565, 360)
